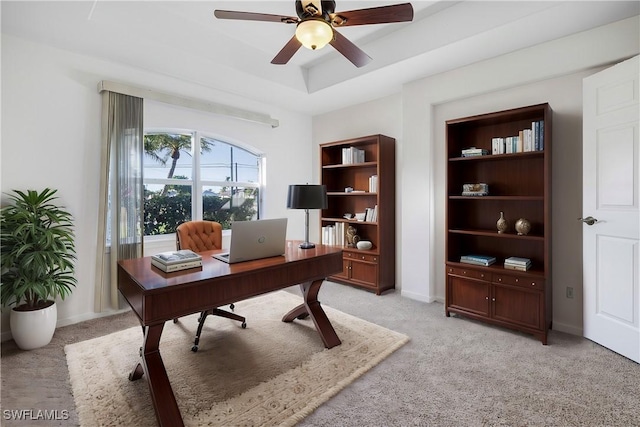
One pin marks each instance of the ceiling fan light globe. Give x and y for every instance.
(314, 33)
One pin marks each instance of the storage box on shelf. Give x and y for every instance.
(360, 177)
(519, 185)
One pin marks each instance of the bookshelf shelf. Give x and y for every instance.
(519, 185)
(372, 269)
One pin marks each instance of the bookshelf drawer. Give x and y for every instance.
(361, 257)
(525, 282)
(468, 272)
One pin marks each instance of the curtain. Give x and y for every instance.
(120, 223)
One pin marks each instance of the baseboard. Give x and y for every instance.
(417, 297)
(5, 336)
(569, 329)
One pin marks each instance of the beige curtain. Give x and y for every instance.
(120, 222)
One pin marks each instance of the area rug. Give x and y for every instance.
(271, 373)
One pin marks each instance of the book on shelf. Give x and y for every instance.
(373, 184)
(518, 260)
(334, 234)
(516, 267)
(526, 140)
(517, 263)
(169, 268)
(352, 155)
(371, 214)
(473, 151)
(479, 189)
(485, 260)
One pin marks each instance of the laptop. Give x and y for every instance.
(251, 240)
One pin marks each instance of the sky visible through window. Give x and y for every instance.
(223, 162)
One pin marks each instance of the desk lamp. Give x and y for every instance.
(307, 197)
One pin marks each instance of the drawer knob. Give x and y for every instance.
(363, 257)
(533, 283)
(493, 299)
(464, 272)
(482, 275)
(486, 298)
(516, 280)
(499, 280)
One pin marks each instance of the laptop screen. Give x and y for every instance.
(256, 239)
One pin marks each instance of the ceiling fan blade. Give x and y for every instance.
(350, 51)
(375, 15)
(287, 51)
(251, 16)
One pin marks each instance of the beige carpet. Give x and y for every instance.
(271, 373)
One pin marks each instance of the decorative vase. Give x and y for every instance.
(502, 224)
(523, 226)
(364, 245)
(33, 329)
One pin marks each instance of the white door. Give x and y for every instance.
(611, 192)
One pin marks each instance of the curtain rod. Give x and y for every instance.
(211, 107)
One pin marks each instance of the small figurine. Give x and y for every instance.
(352, 237)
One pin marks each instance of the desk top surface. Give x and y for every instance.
(151, 278)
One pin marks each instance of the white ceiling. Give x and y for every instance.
(184, 40)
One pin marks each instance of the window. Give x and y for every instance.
(189, 175)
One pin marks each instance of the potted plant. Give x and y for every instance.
(37, 264)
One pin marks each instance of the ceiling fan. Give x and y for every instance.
(317, 22)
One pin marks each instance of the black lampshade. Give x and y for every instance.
(307, 197)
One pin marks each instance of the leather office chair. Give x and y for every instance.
(200, 236)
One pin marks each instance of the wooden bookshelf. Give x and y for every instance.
(372, 269)
(520, 186)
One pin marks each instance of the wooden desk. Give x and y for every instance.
(157, 297)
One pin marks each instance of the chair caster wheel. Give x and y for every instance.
(175, 320)
(244, 325)
(194, 348)
(231, 306)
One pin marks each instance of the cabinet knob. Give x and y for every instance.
(533, 283)
(499, 280)
(487, 298)
(482, 275)
(493, 299)
(464, 272)
(363, 257)
(517, 280)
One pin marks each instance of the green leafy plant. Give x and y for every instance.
(37, 250)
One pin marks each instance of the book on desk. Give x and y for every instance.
(176, 260)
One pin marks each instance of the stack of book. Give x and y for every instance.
(478, 259)
(352, 155)
(517, 263)
(176, 260)
(473, 151)
(479, 189)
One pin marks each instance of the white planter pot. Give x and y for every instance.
(33, 329)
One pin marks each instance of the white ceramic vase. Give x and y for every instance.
(33, 329)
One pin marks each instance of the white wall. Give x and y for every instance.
(51, 113)
(551, 72)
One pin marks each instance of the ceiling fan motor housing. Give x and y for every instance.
(309, 9)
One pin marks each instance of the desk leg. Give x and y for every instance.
(311, 307)
(164, 402)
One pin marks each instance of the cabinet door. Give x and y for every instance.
(364, 273)
(518, 306)
(346, 267)
(468, 295)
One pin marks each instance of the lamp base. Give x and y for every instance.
(307, 245)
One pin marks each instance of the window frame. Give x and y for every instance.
(196, 183)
